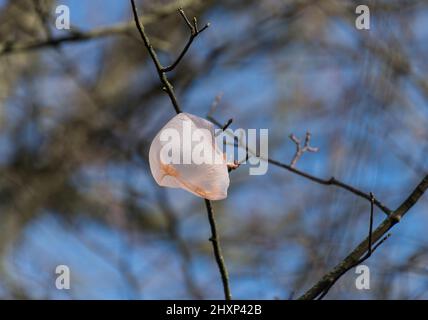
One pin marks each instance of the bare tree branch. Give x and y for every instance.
(301, 150)
(162, 76)
(169, 90)
(194, 32)
(332, 181)
(363, 247)
(217, 250)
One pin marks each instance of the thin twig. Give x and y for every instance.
(168, 88)
(224, 127)
(333, 182)
(194, 32)
(162, 76)
(227, 124)
(217, 251)
(301, 150)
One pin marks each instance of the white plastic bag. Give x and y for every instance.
(184, 154)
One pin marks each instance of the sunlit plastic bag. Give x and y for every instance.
(184, 154)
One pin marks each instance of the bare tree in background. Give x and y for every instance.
(80, 107)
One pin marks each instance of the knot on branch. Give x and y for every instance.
(395, 218)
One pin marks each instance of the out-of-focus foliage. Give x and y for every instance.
(76, 121)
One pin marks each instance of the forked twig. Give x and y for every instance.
(379, 233)
(217, 251)
(194, 32)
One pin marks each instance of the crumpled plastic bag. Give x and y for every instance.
(184, 154)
